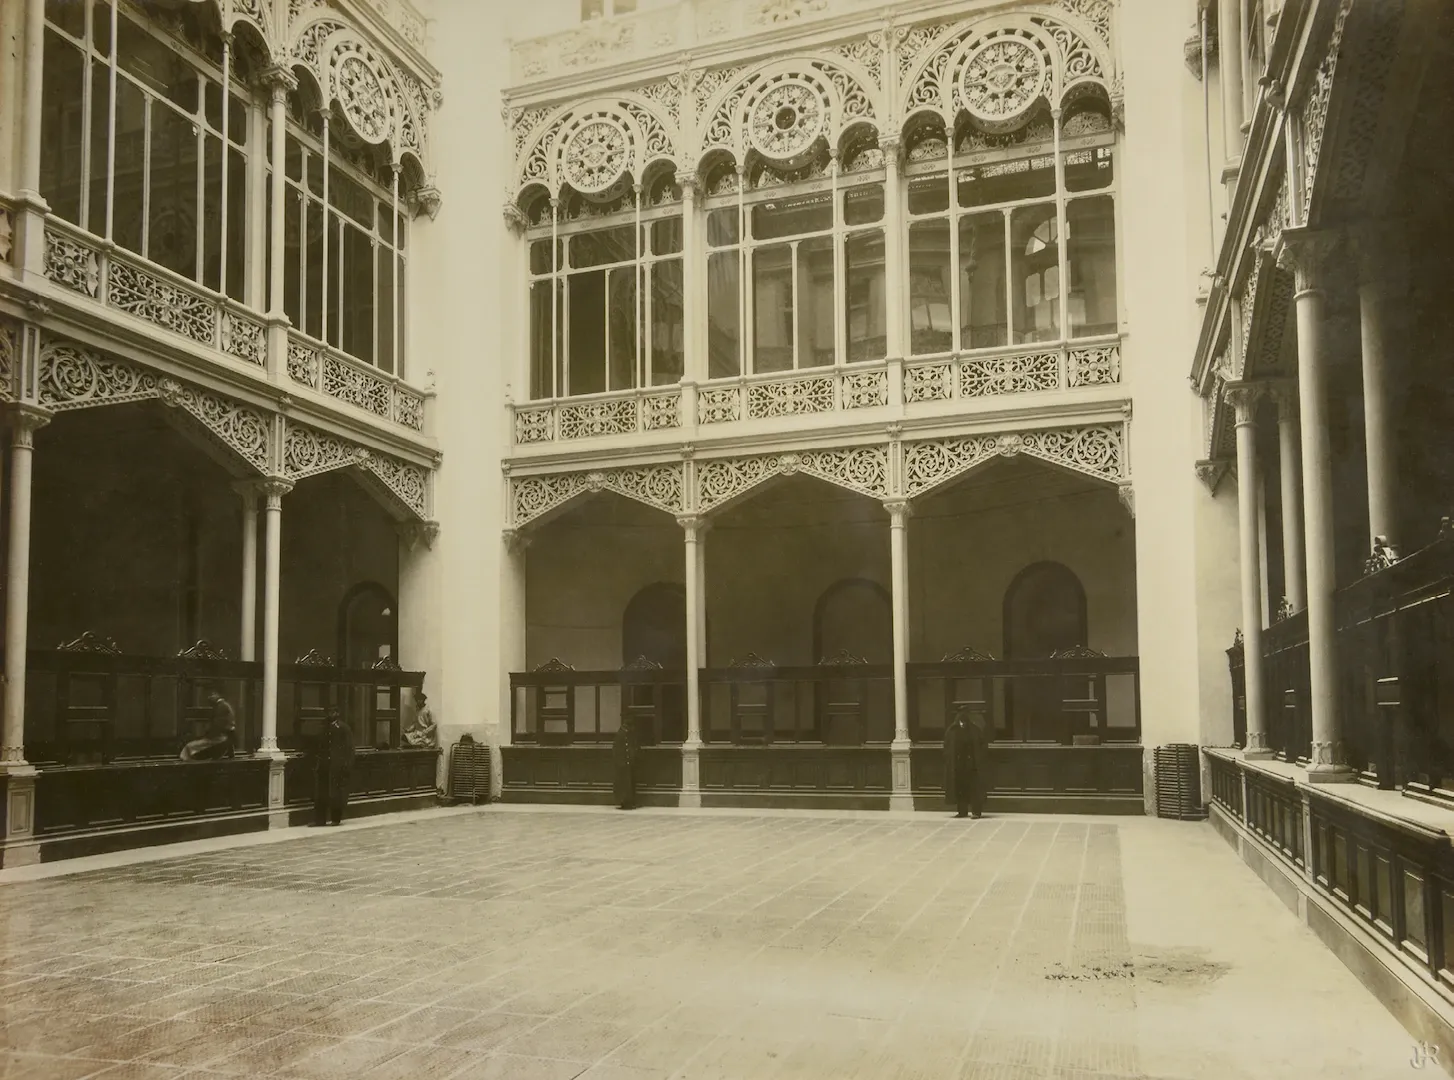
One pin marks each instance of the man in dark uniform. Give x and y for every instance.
(333, 774)
(625, 752)
(966, 760)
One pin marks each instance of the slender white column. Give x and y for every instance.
(1229, 57)
(1243, 398)
(694, 272)
(1379, 252)
(24, 421)
(1305, 253)
(273, 489)
(692, 529)
(30, 98)
(901, 797)
(1289, 436)
(280, 82)
(247, 490)
(894, 279)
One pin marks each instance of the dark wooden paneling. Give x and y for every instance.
(796, 769)
(1041, 770)
(586, 768)
(115, 796)
(375, 773)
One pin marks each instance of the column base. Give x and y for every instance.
(1261, 753)
(902, 797)
(275, 785)
(1331, 774)
(901, 803)
(691, 796)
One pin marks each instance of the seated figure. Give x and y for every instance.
(423, 733)
(221, 728)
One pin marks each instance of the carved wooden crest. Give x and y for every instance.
(90, 642)
(752, 660)
(642, 663)
(384, 663)
(555, 664)
(967, 655)
(843, 658)
(314, 658)
(1076, 652)
(202, 650)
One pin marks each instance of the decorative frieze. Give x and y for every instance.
(74, 377)
(160, 301)
(1097, 451)
(355, 385)
(790, 397)
(861, 469)
(1009, 374)
(658, 486)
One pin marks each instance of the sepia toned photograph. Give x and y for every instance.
(726, 539)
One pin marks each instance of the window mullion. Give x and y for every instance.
(226, 159)
(111, 129)
(1062, 243)
(86, 91)
(794, 271)
(146, 174)
(323, 325)
(199, 133)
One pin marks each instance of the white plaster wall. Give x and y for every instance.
(459, 327)
(1165, 244)
(1219, 605)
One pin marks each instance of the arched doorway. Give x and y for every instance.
(853, 622)
(654, 634)
(855, 616)
(368, 626)
(1044, 613)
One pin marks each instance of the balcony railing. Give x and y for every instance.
(845, 390)
(87, 702)
(1395, 642)
(126, 283)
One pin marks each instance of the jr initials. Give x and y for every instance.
(1424, 1055)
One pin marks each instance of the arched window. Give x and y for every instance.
(368, 626)
(855, 616)
(1044, 613)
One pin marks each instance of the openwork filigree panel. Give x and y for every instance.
(658, 486)
(9, 348)
(308, 452)
(1095, 451)
(409, 408)
(72, 377)
(1100, 366)
(863, 470)
(244, 338)
(407, 482)
(1314, 113)
(928, 382)
(71, 264)
(240, 427)
(533, 425)
(660, 412)
(304, 364)
(791, 397)
(356, 386)
(865, 389)
(1009, 374)
(719, 406)
(614, 417)
(160, 302)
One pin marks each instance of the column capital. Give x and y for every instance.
(688, 183)
(414, 533)
(273, 488)
(1126, 492)
(516, 540)
(278, 80)
(695, 525)
(515, 219)
(1306, 253)
(1243, 397)
(24, 421)
(1381, 248)
(1283, 394)
(899, 510)
(248, 490)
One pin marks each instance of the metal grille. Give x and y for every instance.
(1179, 783)
(469, 770)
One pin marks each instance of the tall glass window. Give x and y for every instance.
(1024, 252)
(156, 188)
(617, 299)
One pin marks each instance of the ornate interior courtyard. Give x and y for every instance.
(563, 942)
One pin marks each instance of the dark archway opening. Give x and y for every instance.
(1044, 613)
(654, 636)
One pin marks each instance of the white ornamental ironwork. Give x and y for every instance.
(1096, 451)
(661, 487)
(862, 469)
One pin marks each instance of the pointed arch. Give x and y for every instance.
(535, 498)
(862, 470)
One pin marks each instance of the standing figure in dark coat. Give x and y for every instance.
(333, 770)
(966, 764)
(626, 750)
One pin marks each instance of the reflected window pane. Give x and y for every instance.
(772, 311)
(863, 257)
(62, 127)
(586, 318)
(667, 342)
(602, 247)
(724, 330)
(815, 302)
(623, 328)
(172, 223)
(792, 217)
(1089, 169)
(983, 308)
(929, 194)
(722, 227)
(1035, 274)
(863, 205)
(1007, 181)
(666, 236)
(930, 328)
(1090, 226)
(540, 341)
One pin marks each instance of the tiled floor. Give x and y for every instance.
(533, 943)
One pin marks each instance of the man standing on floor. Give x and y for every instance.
(625, 750)
(966, 759)
(333, 776)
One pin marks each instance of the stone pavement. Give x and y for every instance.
(554, 943)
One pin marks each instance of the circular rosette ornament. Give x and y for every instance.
(1002, 79)
(786, 121)
(362, 97)
(596, 156)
